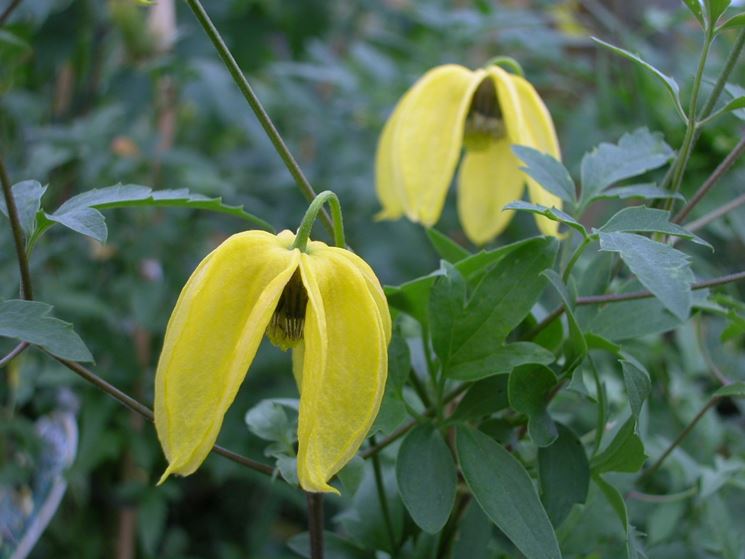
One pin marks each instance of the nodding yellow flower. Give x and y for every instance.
(323, 302)
(485, 111)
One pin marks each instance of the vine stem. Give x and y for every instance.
(382, 498)
(9, 10)
(263, 117)
(723, 167)
(15, 225)
(13, 353)
(713, 215)
(631, 296)
(141, 409)
(575, 256)
(315, 524)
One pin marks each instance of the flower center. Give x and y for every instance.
(285, 329)
(484, 122)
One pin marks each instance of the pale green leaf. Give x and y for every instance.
(641, 219)
(27, 196)
(551, 213)
(548, 172)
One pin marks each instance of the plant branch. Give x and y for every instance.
(631, 296)
(713, 215)
(9, 10)
(15, 352)
(723, 167)
(258, 109)
(729, 65)
(15, 225)
(141, 409)
(315, 524)
(380, 488)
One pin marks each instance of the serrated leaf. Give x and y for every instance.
(564, 474)
(641, 219)
(647, 191)
(500, 302)
(625, 452)
(548, 172)
(426, 477)
(636, 153)
(734, 22)
(665, 271)
(80, 213)
(505, 492)
(529, 391)
(31, 321)
(551, 213)
(734, 390)
(474, 363)
(446, 248)
(27, 196)
(638, 385)
(670, 84)
(696, 9)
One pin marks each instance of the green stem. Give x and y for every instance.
(258, 109)
(380, 488)
(508, 62)
(311, 214)
(729, 65)
(15, 225)
(575, 256)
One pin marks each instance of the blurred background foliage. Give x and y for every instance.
(93, 93)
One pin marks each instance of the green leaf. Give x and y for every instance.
(483, 398)
(399, 362)
(268, 420)
(738, 20)
(564, 474)
(474, 363)
(636, 153)
(80, 213)
(548, 172)
(696, 9)
(715, 8)
(615, 499)
(638, 385)
(670, 84)
(27, 196)
(575, 345)
(447, 301)
(334, 547)
(735, 104)
(500, 302)
(529, 391)
(505, 492)
(10, 39)
(426, 477)
(641, 219)
(620, 321)
(625, 452)
(647, 191)
(734, 390)
(551, 213)
(735, 91)
(665, 271)
(445, 247)
(31, 321)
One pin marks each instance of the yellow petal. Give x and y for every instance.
(387, 184)
(488, 180)
(211, 339)
(427, 138)
(509, 105)
(541, 135)
(344, 368)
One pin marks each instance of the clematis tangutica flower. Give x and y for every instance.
(484, 112)
(323, 302)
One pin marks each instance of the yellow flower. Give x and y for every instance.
(486, 111)
(324, 302)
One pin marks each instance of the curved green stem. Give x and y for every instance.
(311, 214)
(258, 109)
(508, 62)
(575, 256)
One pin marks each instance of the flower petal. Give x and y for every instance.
(541, 135)
(387, 184)
(212, 338)
(428, 135)
(344, 368)
(488, 180)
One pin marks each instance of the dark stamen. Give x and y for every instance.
(285, 329)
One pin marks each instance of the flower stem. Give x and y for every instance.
(311, 214)
(15, 225)
(258, 109)
(9, 10)
(13, 353)
(575, 256)
(315, 524)
(380, 488)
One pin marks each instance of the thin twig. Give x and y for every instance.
(723, 167)
(631, 296)
(258, 109)
(315, 524)
(713, 215)
(9, 10)
(140, 408)
(15, 352)
(15, 225)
